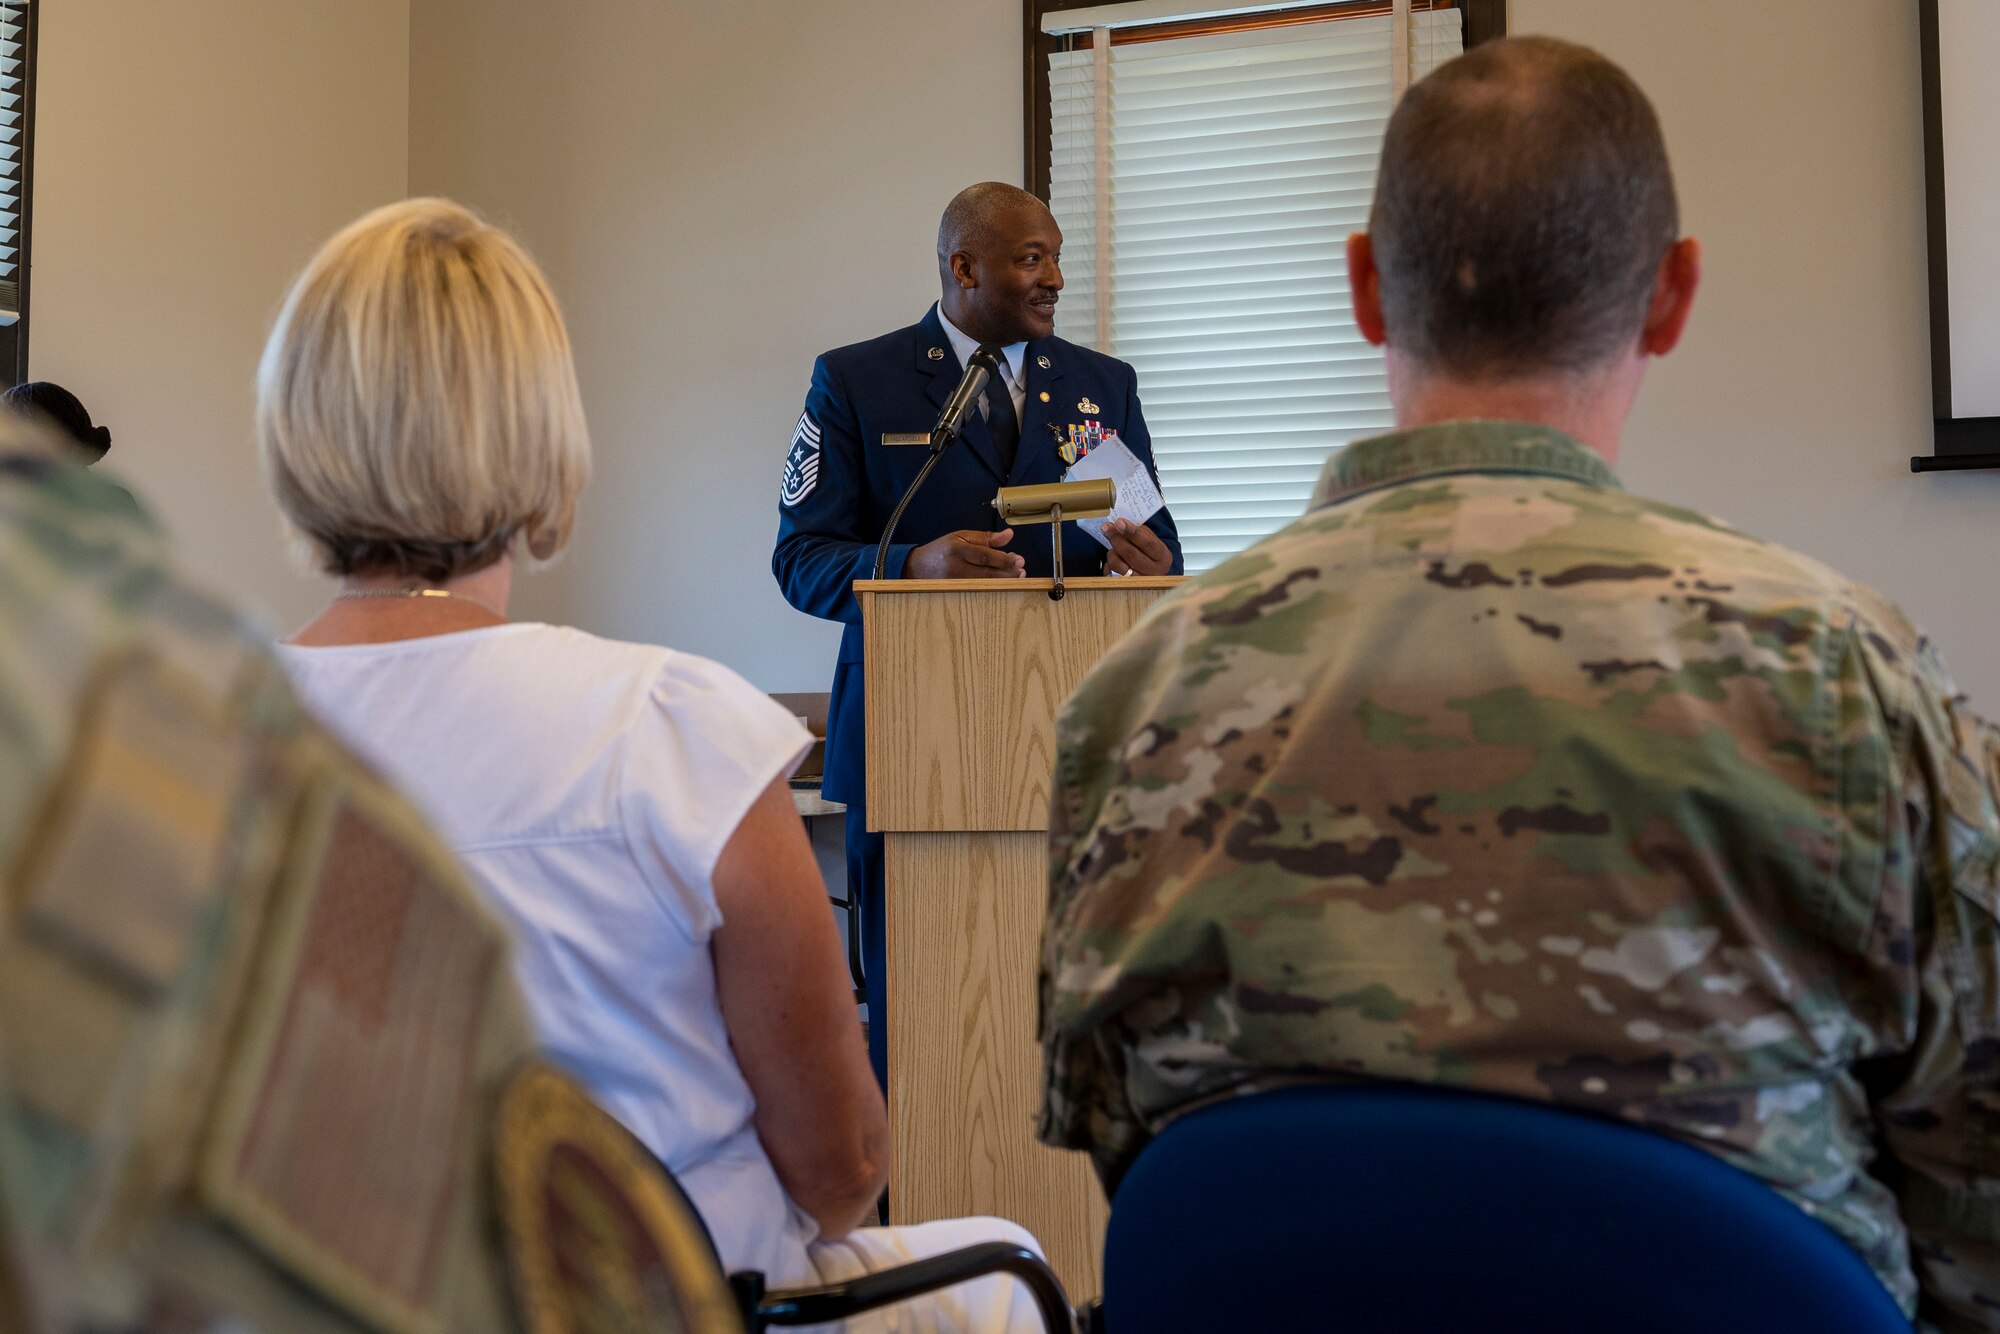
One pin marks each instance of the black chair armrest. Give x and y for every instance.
(839, 1301)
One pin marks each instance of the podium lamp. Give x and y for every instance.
(1051, 503)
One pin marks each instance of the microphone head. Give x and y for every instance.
(987, 356)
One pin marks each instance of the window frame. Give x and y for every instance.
(14, 339)
(1484, 21)
(1254, 337)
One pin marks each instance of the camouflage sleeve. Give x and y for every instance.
(220, 933)
(1941, 1118)
(1990, 744)
(1084, 1105)
(1084, 1100)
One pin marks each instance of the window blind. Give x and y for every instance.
(1206, 187)
(1140, 13)
(13, 150)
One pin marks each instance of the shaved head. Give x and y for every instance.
(999, 264)
(975, 215)
(1522, 212)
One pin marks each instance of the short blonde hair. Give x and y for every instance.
(417, 406)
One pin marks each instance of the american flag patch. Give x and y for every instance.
(802, 464)
(357, 1083)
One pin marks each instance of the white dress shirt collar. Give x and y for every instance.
(1014, 356)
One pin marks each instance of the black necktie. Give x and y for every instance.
(1001, 422)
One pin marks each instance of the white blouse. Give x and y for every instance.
(589, 786)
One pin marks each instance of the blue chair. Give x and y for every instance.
(1394, 1209)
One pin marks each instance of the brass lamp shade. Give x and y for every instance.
(1037, 504)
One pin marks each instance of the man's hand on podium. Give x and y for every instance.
(966, 554)
(1136, 549)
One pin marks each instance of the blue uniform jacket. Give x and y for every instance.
(841, 483)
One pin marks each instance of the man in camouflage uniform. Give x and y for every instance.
(1488, 773)
(251, 1022)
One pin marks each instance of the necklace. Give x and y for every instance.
(414, 591)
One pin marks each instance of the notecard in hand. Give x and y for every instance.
(1139, 498)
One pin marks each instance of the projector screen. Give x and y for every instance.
(1962, 176)
(1969, 99)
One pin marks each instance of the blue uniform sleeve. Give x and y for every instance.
(1140, 441)
(826, 535)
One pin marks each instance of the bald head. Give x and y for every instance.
(999, 264)
(977, 214)
(1522, 211)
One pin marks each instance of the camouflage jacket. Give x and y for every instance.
(1487, 773)
(250, 1017)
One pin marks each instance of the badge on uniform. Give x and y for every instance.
(802, 464)
(598, 1235)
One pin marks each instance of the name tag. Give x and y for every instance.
(906, 438)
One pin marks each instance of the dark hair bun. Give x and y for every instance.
(53, 403)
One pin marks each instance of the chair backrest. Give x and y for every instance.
(1378, 1208)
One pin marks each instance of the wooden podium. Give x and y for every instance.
(964, 678)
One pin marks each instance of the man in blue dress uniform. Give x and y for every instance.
(999, 262)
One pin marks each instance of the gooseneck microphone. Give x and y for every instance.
(985, 362)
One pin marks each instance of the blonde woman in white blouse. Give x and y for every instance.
(624, 806)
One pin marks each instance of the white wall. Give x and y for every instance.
(722, 191)
(1803, 387)
(719, 192)
(188, 158)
